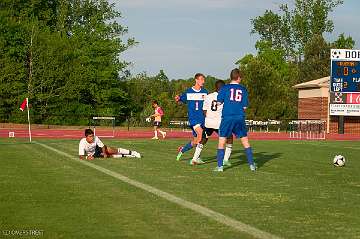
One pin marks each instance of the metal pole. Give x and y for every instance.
(341, 124)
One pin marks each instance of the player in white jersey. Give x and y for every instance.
(91, 147)
(213, 111)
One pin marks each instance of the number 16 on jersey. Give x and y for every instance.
(235, 95)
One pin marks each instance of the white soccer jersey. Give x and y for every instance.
(213, 111)
(89, 149)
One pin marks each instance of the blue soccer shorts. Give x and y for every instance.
(236, 126)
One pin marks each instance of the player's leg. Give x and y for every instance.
(121, 152)
(200, 135)
(197, 141)
(163, 133)
(205, 137)
(202, 142)
(241, 132)
(207, 133)
(248, 152)
(220, 154)
(228, 149)
(155, 131)
(225, 131)
(188, 146)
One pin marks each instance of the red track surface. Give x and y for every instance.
(124, 134)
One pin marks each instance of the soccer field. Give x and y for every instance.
(296, 192)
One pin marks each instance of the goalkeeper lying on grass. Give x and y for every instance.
(91, 147)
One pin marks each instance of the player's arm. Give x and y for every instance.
(221, 96)
(81, 151)
(154, 115)
(88, 157)
(181, 98)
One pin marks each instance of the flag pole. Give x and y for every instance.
(28, 113)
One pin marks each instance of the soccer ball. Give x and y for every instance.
(148, 119)
(339, 161)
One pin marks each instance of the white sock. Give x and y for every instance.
(123, 151)
(117, 155)
(197, 153)
(155, 132)
(162, 132)
(227, 152)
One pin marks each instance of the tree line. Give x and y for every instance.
(65, 55)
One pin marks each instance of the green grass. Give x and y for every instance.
(296, 193)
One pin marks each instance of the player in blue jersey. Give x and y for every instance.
(194, 99)
(213, 111)
(235, 100)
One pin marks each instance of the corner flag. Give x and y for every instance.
(25, 104)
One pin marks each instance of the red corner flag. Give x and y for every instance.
(24, 104)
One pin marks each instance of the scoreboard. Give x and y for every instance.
(345, 82)
(345, 76)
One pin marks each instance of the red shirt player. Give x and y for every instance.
(158, 113)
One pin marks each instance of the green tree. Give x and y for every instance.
(67, 59)
(344, 42)
(291, 29)
(269, 79)
(291, 50)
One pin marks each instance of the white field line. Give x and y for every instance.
(242, 227)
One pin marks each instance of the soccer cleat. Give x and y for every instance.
(179, 153)
(192, 162)
(253, 167)
(197, 161)
(164, 135)
(135, 154)
(154, 138)
(219, 169)
(178, 156)
(226, 163)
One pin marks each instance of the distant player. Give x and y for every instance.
(91, 147)
(194, 99)
(235, 99)
(213, 111)
(157, 120)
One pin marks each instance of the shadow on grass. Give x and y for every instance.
(260, 158)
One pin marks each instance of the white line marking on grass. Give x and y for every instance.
(167, 196)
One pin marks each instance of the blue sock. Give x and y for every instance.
(249, 155)
(220, 157)
(187, 147)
